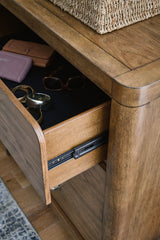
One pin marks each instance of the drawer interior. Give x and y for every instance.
(64, 104)
(70, 119)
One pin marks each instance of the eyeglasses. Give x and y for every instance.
(60, 80)
(56, 83)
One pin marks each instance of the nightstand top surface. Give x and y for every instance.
(124, 63)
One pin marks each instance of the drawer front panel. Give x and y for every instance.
(24, 139)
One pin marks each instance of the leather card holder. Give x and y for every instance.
(41, 54)
(14, 66)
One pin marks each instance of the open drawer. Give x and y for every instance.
(33, 148)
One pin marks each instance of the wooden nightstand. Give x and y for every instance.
(123, 201)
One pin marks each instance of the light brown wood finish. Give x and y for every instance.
(130, 90)
(71, 133)
(131, 204)
(82, 200)
(132, 198)
(70, 169)
(42, 217)
(24, 139)
(26, 142)
(80, 51)
(126, 45)
(105, 56)
(76, 130)
(149, 73)
(66, 222)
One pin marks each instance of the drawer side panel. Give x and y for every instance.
(77, 130)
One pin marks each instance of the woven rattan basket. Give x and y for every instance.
(108, 15)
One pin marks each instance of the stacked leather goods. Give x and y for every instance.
(41, 54)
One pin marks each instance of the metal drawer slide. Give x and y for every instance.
(78, 151)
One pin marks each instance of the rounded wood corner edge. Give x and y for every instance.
(135, 96)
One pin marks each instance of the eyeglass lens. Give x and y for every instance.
(53, 83)
(56, 84)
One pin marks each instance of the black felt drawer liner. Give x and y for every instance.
(65, 104)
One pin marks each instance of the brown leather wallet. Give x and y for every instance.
(41, 54)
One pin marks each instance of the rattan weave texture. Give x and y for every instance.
(107, 15)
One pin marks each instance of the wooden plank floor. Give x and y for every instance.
(41, 217)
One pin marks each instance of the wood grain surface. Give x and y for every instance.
(71, 168)
(76, 130)
(43, 218)
(89, 58)
(67, 224)
(71, 133)
(101, 58)
(24, 139)
(134, 46)
(132, 198)
(82, 201)
(125, 65)
(150, 74)
(130, 90)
